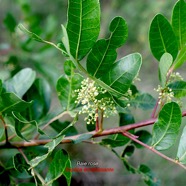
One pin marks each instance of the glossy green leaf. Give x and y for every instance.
(122, 73)
(179, 88)
(164, 66)
(181, 154)
(83, 26)
(10, 102)
(58, 167)
(162, 38)
(51, 146)
(10, 22)
(66, 87)
(22, 122)
(103, 53)
(144, 101)
(181, 58)
(143, 136)
(179, 22)
(20, 163)
(21, 82)
(166, 129)
(40, 93)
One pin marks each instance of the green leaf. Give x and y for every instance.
(81, 138)
(20, 163)
(1, 86)
(164, 66)
(103, 53)
(122, 73)
(2, 131)
(181, 154)
(162, 38)
(179, 88)
(148, 176)
(66, 87)
(181, 58)
(31, 34)
(51, 146)
(128, 151)
(69, 67)
(40, 92)
(166, 129)
(58, 126)
(143, 136)
(144, 101)
(10, 22)
(179, 22)
(83, 26)
(21, 122)
(20, 82)
(58, 167)
(10, 102)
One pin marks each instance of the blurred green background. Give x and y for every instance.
(45, 18)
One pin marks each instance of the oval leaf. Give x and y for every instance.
(181, 154)
(66, 90)
(21, 82)
(10, 102)
(122, 73)
(164, 66)
(144, 101)
(179, 22)
(104, 54)
(162, 38)
(166, 129)
(83, 26)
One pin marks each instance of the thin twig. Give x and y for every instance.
(34, 171)
(51, 121)
(127, 134)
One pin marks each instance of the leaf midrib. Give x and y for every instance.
(165, 132)
(108, 45)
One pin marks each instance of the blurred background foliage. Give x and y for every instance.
(45, 18)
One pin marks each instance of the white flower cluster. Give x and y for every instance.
(87, 96)
(165, 94)
(175, 76)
